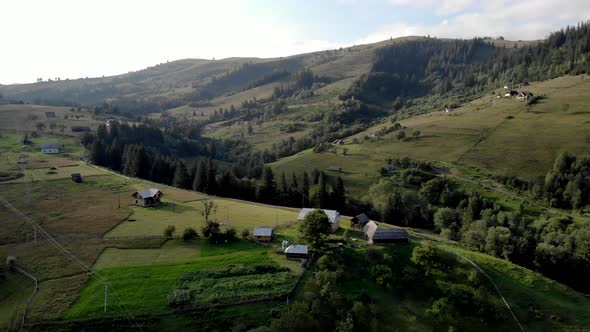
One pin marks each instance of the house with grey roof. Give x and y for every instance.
(148, 197)
(333, 216)
(50, 148)
(378, 235)
(359, 221)
(296, 251)
(262, 233)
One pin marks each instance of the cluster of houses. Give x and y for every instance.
(264, 234)
(522, 96)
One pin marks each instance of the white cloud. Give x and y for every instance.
(442, 7)
(522, 20)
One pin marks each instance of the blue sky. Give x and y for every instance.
(73, 39)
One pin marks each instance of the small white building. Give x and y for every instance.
(333, 216)
(50, 148)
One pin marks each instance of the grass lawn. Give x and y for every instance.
(144, 289)
(231, 213)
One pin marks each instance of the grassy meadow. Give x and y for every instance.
(502, 135)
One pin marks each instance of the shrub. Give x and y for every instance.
(169, 231)
(190, 234)
(180, 297)
(245, 233)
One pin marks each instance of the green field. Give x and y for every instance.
(231, 213)
(144, 289)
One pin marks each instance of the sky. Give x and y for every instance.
(84, 38)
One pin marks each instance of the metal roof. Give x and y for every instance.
(147, 193)
(362, 218)
(296, 249)
(262, 231)
(333, 215)
(390, 234)
(49, 145)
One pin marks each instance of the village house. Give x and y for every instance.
(510, 93)
(335, 169)
(333, 216)
(338, 142)
(77, 177)
(377, 235)
(296, 251)
(358, 222)
(50, 114)
(262, 234)
(524, 96)
(50, 148)
(148, 197)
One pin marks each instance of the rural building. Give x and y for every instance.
(335, 169)
(296, 251)
(376, 235)
(50, 147)
(524, 96)
(510, 93)
(358, 222)
(338, 142)
(50, 114)
(262, 233)
(76, 177)
(333, 216)
(79, 129)
(148, 197)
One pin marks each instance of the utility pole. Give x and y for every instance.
(35, 233)
(106, 294)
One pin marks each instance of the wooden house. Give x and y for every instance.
(377, 235)
(262, 233)
(148, 197)
(296, 251)
(77, 177)
(524, 96)
(358, 222)
(50, 148)
(335, 169)
(333, 216)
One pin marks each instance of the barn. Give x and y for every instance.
(262, 233)
(377, 235)
(333, 216)
(148, 197)
(50, 148)
(296, 251)
(359, 221)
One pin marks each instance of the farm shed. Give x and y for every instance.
(524, 96)
(358, 222)
(148, 197)
(333, 216)
(296, 251)
(50, 148)
(335, 169)
(77, 177)
(262, 233)
(376, 235)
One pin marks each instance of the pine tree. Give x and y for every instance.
(181, 176)
(323, 191)
(211, 178)
(114, 155)
(200, 180)
(305, 183)
(97, 153)
(268, 189)
(339, 195)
